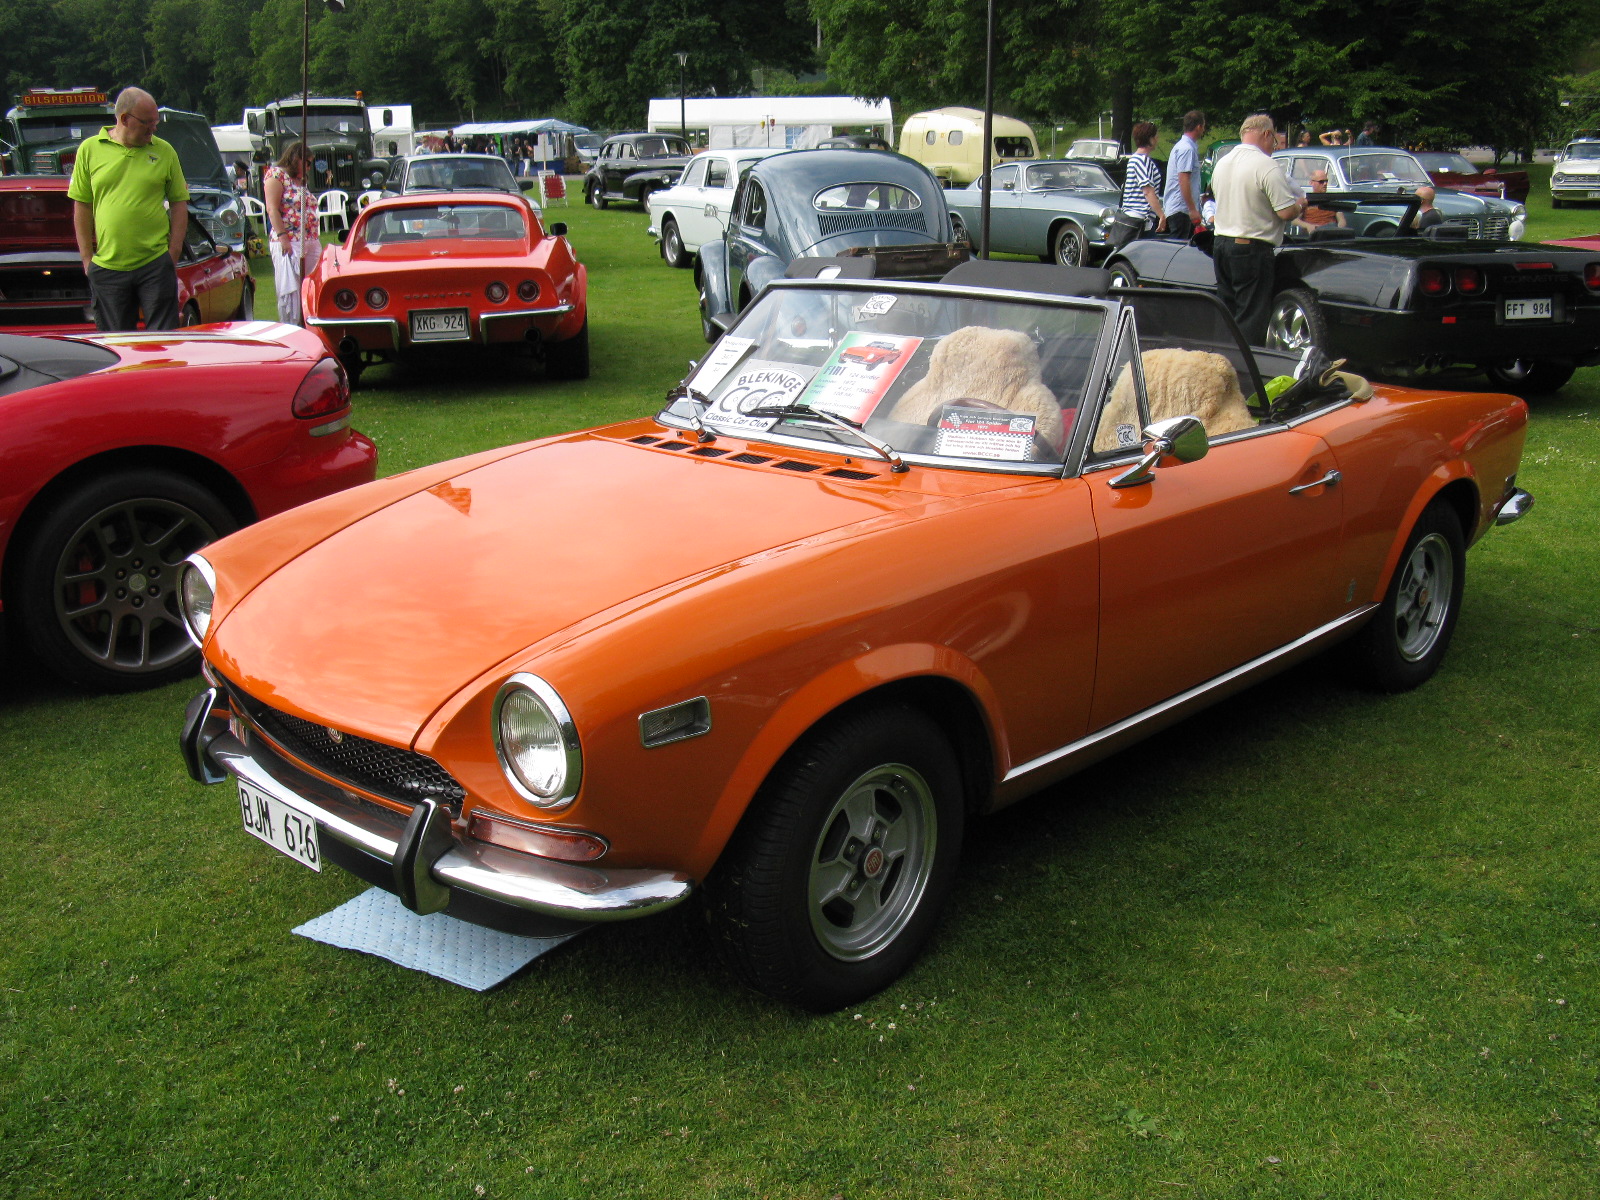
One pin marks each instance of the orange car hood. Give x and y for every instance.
(376, 626)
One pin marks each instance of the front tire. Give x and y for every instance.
(1529, 376)
(569, 359)
(1297, 323)
(97, 598)
(835, 878)
(597, 197)
(247, 303)
(707, 330)
(1554, 203)
(1068, 247)
(1404, 643)
(958, 231)
(672, 245)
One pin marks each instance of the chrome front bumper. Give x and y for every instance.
(429, 861)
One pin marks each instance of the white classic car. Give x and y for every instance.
(695, 211)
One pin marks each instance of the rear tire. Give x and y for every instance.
(672, 245)
(1529, 376)
(190, 316)
(707, 330)
(97, 592)
(569, 359)
(835, 877)
(247, 303)
(1122, 275)
(1404, 643)
(1297, 323)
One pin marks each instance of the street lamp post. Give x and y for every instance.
(683, 104)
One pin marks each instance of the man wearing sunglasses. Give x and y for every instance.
(1315, 216)
(130, 212)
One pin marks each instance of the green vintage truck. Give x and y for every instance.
(45, 125)
(340, 140)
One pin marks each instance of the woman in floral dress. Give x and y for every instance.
(292, 215)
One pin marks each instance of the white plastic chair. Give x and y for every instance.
(253, 207)
(366, 198)
(332, 206)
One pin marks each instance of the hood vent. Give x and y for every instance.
(754, 460)
(748, 459)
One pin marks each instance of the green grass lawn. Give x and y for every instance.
(1311, 943)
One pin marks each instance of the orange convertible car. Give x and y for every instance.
(782, 641)
(433, 271)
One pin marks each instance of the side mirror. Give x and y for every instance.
(1182, 438)
(528, 182)
(558, 229)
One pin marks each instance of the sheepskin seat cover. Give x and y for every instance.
(1180, 383)
(995, 367)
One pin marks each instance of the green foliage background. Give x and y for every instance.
(1449, 71)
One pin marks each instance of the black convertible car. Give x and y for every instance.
(1527, 315)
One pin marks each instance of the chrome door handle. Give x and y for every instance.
(1331, 478)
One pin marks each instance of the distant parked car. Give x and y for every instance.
(822, 204)
(451, 173)
(1448, 168)
(632, 165)
(854, 141)
(1106, 153)
(425, 272)
(1577, 173)
(213, 200)
(695, 210)
(1064, 212)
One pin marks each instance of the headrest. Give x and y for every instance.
(1447, 233)
(1333, 233)
(1030, 277)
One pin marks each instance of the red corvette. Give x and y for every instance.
(42, 284)
(1451, 170)
(124, 453)
(438, 270)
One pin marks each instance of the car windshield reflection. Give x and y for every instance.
(967, 381)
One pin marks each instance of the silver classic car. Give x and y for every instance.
(694, 210)
(1381, 169)
(1065, 212)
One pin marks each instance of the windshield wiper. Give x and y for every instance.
(795, 409)
(684, 392)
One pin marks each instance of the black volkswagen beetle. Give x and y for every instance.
(877, 206)
(632, 165)
(1524, 314)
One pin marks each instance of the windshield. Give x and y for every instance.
(1066, 177)
(35, 130)
(1094, 149)
(422, 222)
(343, 124)
(1584, 150)
(461, 175)
(1453, 163)
(658, 147)
(973, 382)
(1385, 168)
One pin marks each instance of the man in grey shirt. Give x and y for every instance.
(1181, 200)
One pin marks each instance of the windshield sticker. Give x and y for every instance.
(715, 367)
(859, 372)
(985, 433)
(875, 307)
(760, 385)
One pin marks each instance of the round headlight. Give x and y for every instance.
(537, 741)
(197, 591)
(1519, 226)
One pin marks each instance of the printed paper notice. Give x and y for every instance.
(859, 372)
(984, 433)
(714, 369)
(759, 384)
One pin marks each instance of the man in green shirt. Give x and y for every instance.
(130, 212)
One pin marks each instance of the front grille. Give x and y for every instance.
(829, 224)
(1496, 228)
(383, 770)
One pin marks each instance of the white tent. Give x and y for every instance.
(391, 123)
(797, 122)
(548, 135)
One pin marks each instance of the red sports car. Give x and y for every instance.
(425, 271)
(42, 284)
(124, 453)
(1451, 170)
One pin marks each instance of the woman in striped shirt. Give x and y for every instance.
(1141, 187)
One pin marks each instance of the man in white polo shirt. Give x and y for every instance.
(1254, 203)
